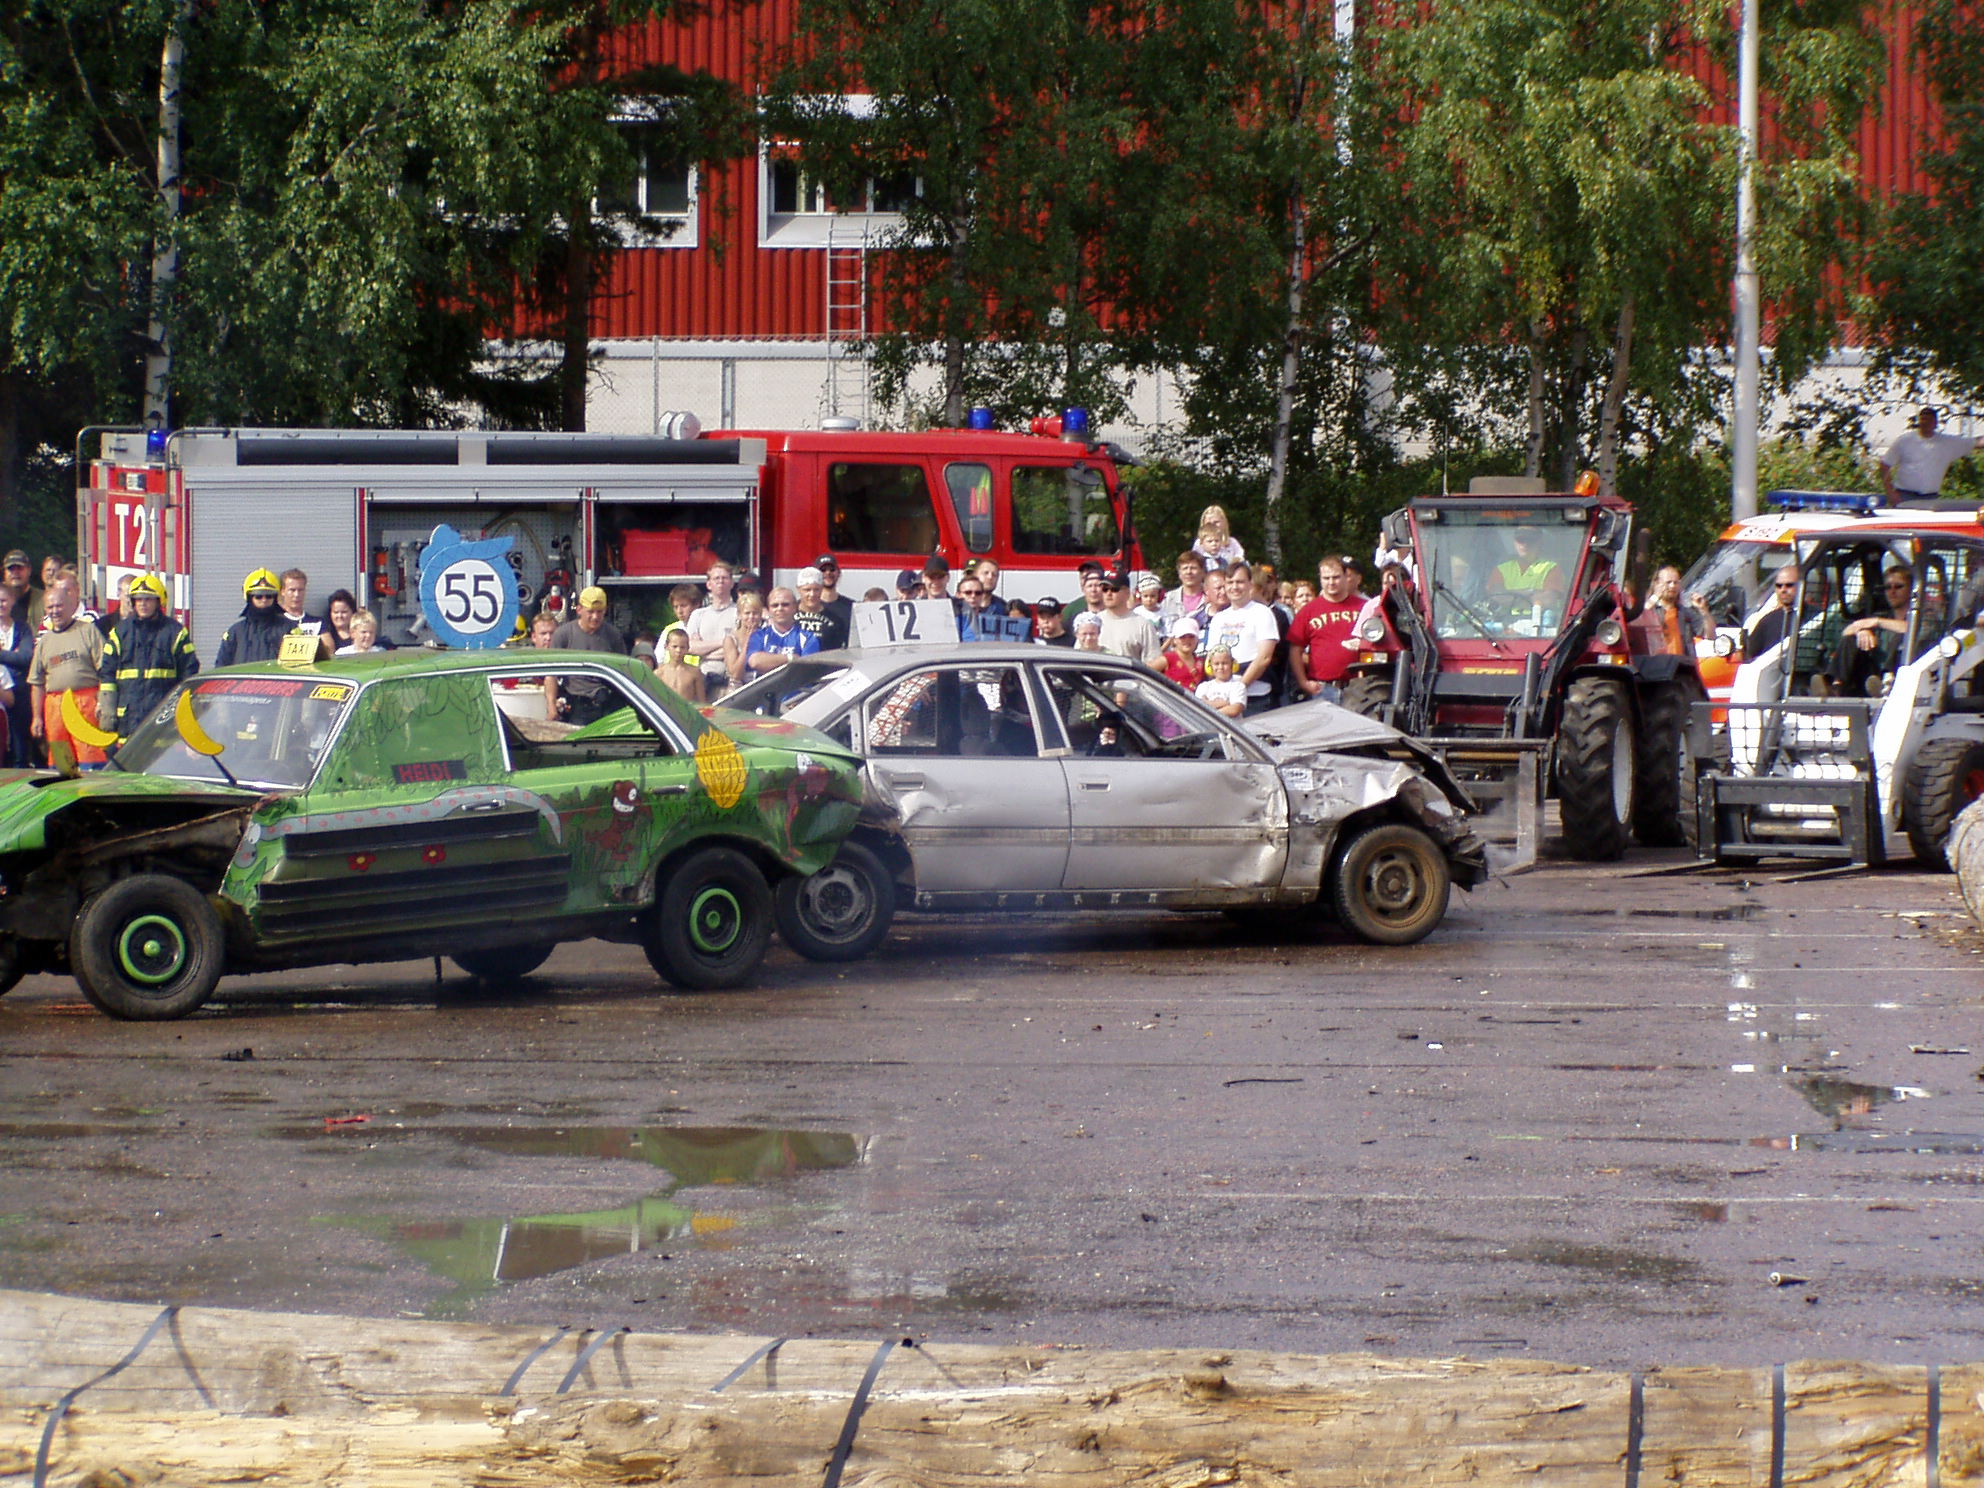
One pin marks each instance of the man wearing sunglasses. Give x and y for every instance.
(1871, 645)
(1774, 624)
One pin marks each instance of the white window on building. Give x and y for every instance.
(659, 191)
(796, 211)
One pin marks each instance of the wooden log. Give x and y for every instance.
(287, 1399)
(1966, 855)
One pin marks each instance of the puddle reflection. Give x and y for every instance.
(481, 1254)
(1843, 1099)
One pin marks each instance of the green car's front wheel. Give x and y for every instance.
(711, 921)
(149, 947)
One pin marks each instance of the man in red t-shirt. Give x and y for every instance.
(1316, 652)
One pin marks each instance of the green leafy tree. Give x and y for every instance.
(1573, 199)
(1270, 167)
(1926, 273)
(371, 192)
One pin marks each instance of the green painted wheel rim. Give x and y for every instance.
(716, 920)
(152, 949)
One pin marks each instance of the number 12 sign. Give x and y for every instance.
(467, 591)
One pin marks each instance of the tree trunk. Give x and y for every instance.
(1291, 367)
(954, 335)
(1568, 422)
(1538, 403)
(293, 1401)
(1615, 400)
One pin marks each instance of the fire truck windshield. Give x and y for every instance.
(1059, 509)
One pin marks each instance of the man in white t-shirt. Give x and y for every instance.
(716, 619)
(1124, 631)
(1916, 463)
(1248, 629)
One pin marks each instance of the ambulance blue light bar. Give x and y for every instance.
(1854, 503)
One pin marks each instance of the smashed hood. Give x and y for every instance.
(1305, 727)
(1305, 730)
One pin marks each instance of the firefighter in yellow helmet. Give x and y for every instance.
(257, 635)
(147, 654)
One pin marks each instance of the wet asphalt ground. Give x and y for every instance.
(1612, 1115)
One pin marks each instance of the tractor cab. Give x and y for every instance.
(1505, 636)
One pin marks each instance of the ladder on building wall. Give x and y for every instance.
(846, 390)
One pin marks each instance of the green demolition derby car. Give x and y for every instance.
(413, 804)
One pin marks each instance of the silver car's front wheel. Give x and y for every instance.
(1391, 884)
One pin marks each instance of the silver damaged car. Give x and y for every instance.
(1004, 777)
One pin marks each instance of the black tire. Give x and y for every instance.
(1391, 884)
(1946, 776)
(1595, 758)
(1662, 741)
(840, 913)
(148, 948)
(711, 921)
(1369, 694)
(13, 965)
(502, 965)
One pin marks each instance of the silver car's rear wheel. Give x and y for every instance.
(840, 913)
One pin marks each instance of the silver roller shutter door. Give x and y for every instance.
(241, 521)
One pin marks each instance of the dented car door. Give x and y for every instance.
(1160, 797)
(957, 751)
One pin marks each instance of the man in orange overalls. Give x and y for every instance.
(67, 654)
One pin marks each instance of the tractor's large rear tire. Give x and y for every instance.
(1369, 695)
(1662, 742)
(1946, 776)
(1595, 758)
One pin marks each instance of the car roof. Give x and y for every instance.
(878, 661)
(423, 661)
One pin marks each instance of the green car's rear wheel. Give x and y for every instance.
(711, 921)
(502, 965)
(12, 965)
(149, 947)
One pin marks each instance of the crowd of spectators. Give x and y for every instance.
(1229, 631)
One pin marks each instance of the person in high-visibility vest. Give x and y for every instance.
(145, 656)
(1528, 579)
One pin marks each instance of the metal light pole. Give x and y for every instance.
(1743, 443)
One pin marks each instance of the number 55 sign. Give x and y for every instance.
(467, 591)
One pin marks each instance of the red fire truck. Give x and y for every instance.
(634, 514)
